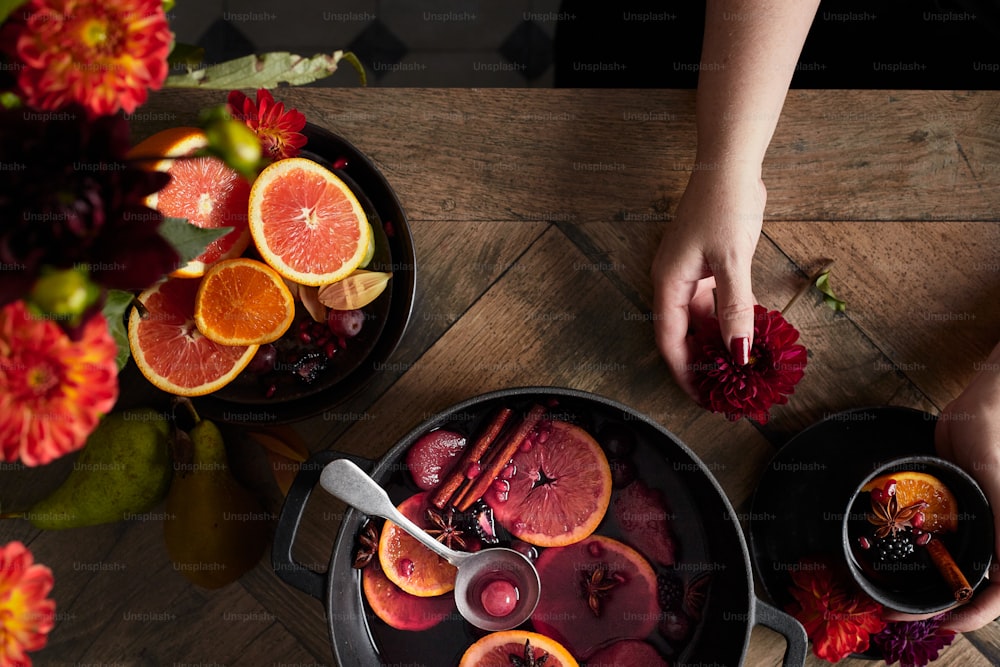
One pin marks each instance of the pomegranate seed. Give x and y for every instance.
(526, 445)
(878, 495)
(305, 337)
(322, 339)
(500, 496)
(405, 567)
(473, 470)
(864, 543)
(390, 229)
(924, 539)
(917, 520)
(595, 549)
(340, 163)
(542, 437)
(501, 486)
(890, 488)
(508, 471)
(329, 349)
(271, 390)
(305, 325)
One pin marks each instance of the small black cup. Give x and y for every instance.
(915, 586)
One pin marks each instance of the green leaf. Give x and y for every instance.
(7, 8)
(9, 100)
(167, 6)
(186, 54)
(823, 284)
(353, 61)
(189, 241)
(258, 71)
(116, 304)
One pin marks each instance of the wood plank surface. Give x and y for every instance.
(535, 216)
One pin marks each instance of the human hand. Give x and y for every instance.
(710, 244)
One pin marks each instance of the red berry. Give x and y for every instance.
(499, 597)
(864, 543)
(918, 520)
(345, 323)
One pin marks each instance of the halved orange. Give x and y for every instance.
(560, 490)
(307, 223)
(496, 649)
(409, 564)
(203, 190)
(170, 351)
(243, 302)
(941, 513)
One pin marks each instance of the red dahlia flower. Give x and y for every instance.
(26, 614)
(53, 390)
(101, 54)
(838, 619)
(776, 366)
(277, 129)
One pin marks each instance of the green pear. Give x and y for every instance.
(123, 469)
(215, 529)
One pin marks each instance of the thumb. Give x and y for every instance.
(735, 310)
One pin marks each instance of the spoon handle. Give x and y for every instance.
(345, 480)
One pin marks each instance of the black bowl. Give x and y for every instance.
(913, 585)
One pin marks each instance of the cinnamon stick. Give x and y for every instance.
(949, 569)
(503, 454)
(471, 455)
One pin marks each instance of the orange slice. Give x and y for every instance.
(409, 564)
(202, 190)
(496, 649)
(307, 223)
(170, 351)
(941, 513)
(243, 302)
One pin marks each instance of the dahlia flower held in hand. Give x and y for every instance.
(102, 54)
(912, 643)
(776, 365)
(53, 390)
(277, 129)
(26, 614)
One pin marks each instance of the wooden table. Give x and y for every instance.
(535, 215)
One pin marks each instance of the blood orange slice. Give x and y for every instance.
(202, 190)
(398, 608)
(243, 302)
(941, 513)
(560, 488)
(597, 591)
(307, 223)
(171, 352)
(530, 648)
(409, 564)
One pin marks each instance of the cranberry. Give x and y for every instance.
(918, 520)
(345, 323)
(508, 471)
(405, 567)
(499, 597)
(473, 470)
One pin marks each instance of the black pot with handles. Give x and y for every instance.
(702, 520)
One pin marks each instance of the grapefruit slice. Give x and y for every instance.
(398, 608)
(202, 190)
(497, 648)
(243, 302)
(941, 513)
(627, 609)
(559, 491)
(170, 351)
(407, 563)
(307, 223)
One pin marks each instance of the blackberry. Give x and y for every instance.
(893, 548)
(669, 591)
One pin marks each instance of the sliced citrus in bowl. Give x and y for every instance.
(559, 491)
(498, 649)
(941, 513)
(243, 302)
(202, 190)
(407, 563)
(170, 351)
(306, 222)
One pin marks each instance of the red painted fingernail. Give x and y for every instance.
(740, 349)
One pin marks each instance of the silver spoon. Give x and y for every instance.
(476, 570)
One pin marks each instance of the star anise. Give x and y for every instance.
(528, 659)
(596, 584)
(445, 531)
(888, 517)
(367, 545)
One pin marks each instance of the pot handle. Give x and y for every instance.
(786, 625)
(284, 564)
